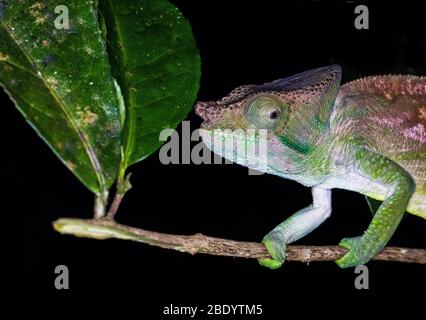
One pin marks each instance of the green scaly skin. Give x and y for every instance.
(366, 136)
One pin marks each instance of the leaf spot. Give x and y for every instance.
(89, 51)
(53, 82)
(40, 20)
(4, 57)
(37, 6)
(70, 165)
(87, 117)
(35, 12)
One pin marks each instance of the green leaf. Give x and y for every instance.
(60, 80)
(155, 58)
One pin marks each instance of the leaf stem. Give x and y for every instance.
(114, 206)
(123, 185)
(99, 207)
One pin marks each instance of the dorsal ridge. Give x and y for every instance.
(387, 85)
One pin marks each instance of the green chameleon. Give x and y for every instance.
(367, 136)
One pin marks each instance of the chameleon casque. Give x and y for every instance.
(367, 136)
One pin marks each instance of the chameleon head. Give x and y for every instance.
(289, 114)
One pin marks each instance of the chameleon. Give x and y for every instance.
(366, 136)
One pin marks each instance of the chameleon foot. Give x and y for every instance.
(360, 252)
(276, 248)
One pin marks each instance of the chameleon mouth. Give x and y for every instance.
(207, 125)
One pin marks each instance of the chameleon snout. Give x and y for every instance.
(209, 111)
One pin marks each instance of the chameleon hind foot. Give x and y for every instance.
(361, 250)
(276, 247)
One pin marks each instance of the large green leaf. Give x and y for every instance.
(60, 80)
(155, 59)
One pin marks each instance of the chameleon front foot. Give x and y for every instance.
(276, 248)
(360, 251)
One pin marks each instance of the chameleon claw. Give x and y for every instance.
(276, 248)
(359, 252)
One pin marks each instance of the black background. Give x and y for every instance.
(240, 42)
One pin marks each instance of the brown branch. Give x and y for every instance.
(114, 206)
(198, 243)
(123, 185)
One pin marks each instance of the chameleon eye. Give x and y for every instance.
(264, 111)
(273, 115)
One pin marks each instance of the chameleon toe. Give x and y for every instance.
(270, 263)
(356, 255)
(276, 248)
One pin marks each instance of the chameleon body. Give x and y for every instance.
(367, 136)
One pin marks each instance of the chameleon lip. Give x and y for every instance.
(206, 125)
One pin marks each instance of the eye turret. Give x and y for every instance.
(264, 111)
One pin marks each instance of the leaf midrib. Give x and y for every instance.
(122, 59)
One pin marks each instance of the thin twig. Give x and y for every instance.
(123, 185)
(198, 243)
(114, 206)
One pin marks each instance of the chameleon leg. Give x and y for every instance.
(373, 204)
(400, 187)
(297, 226)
